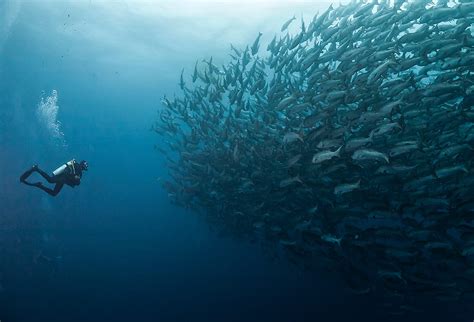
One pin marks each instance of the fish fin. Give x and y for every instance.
(411, 80)
(371, 136)
(300, 135)
(433, 171)
(465, 43)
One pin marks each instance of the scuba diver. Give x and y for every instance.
(69, 173)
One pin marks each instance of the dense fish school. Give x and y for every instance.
(349, 145)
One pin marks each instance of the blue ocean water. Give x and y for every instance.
(115, 248)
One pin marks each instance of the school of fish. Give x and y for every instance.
(349, 144)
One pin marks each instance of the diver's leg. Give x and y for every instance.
(28, 173)
(51, 192)
(45, 175)
(32, 184)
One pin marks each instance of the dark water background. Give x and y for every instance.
(115, 249)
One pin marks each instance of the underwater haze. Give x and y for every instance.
(85, 80)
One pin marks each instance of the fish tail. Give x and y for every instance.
(371, 135)
(298, 179)
(402, 122)
(412, 80)
(422, 140)
(433, 171)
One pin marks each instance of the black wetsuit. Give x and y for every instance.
(71, 176)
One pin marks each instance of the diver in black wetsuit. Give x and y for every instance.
(69, 173)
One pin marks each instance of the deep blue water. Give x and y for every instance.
(116, 249)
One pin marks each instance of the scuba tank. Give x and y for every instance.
(62, 169)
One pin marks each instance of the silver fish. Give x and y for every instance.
(346, 187)
(369, 155)
(326, 155)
